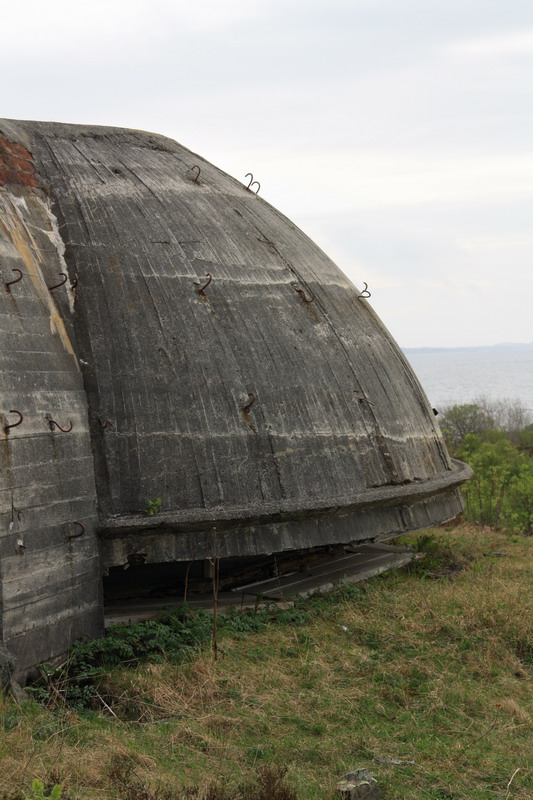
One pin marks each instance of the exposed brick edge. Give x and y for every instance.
(16, 164)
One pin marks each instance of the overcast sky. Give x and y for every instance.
(398, 134)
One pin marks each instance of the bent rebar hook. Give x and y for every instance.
(53, 423)
(10, 283)
(75, 535)
(365, 292)
(252, 183)
(57, 285)
(14, 425)
(206, 284)
(248, 405)
(304, 297)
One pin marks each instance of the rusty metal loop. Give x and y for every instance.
(197, 174)
(302, 294)
(57, 285)
(252, 182)
(10, 283)
(248, 406)
(365, 292)
(14, 425)
(53, 423)
(75, 535)
(206, 284)
(363, 399)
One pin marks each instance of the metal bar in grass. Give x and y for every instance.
(103, 702)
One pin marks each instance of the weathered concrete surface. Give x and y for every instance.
(263, 422)
(174, 537)
(49, 583)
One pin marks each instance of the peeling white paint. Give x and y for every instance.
(19, 202)
(13, 210)
(57, 241)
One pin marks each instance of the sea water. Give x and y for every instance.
(460, 375)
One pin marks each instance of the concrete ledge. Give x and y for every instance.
(257, 537)
(225, 518)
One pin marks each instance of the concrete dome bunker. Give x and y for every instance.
(203, 351)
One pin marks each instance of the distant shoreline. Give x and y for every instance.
(472, 348)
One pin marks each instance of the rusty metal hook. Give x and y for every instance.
(10, 283)
(198, 173)
(252, 182)
(365, 292)
(248, 406)
(363, 399)
(14, 425)
(75, 535)
(302, 294)
(57, 285)
(53, 423)
(206, 284)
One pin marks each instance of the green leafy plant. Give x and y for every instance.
(496, 439)
(152, 507)
(38, 791)
(500, 491)
(175, 635)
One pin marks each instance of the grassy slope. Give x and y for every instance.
(435, 669)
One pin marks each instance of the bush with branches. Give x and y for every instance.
(496, 439)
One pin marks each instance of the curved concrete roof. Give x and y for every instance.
(272, 405)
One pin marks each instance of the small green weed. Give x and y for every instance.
(252, 620)
(439, 559)
(152, 507)
(10, 719)
(38, 791)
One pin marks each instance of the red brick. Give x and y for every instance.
(7, 175)
(14, 147)
(16, 164)
(13, 176)
(22, 164)
(27, 179)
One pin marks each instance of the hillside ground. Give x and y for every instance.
(431, 664)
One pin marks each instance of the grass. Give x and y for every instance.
(432, 664)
